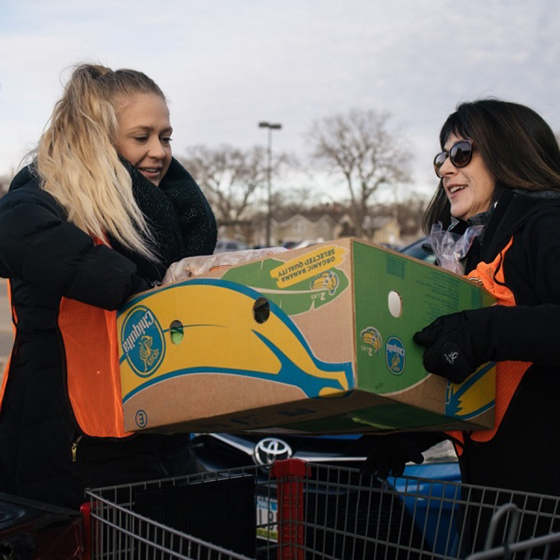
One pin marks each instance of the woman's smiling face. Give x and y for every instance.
(469, 189)
(144, 135)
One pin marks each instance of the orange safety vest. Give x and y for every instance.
(92, 367)
(92, 363)
(508, 374)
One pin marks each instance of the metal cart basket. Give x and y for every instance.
(289, 510)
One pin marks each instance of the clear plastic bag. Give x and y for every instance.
(193, 266)
(451, 248)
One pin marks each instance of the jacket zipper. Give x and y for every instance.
(75, 444)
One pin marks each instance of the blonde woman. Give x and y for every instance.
(99, 215)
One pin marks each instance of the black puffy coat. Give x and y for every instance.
(525, 452)
(44, 456)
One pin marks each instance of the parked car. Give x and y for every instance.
(221, 451)
(226, 245)
(417, 249)
(307, 243)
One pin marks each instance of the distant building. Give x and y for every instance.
(322, 223)
(299, 228)
(328, 225)
(386, 231)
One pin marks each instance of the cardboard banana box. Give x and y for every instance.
(314, 340)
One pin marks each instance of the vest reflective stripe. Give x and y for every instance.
(92, 364)
(508, 374)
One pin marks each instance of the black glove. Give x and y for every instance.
(386, 454)
(450, 349)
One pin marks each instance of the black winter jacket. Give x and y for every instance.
(525, 452)
(43, 454)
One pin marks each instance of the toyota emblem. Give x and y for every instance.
(271, 449)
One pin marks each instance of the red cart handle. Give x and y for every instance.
(290, 475)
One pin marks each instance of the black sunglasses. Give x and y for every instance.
(460, 155)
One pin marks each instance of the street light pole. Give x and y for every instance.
(271, 127)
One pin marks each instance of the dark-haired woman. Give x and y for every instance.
(499, 169)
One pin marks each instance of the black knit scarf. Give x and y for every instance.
(178, 215)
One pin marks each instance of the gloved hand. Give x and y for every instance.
(450, 350)
(386, 454)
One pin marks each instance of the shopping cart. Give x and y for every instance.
(290, 510)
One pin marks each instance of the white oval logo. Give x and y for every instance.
(271, 449)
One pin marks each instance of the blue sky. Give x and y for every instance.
(228, 64)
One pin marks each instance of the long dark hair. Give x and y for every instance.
(516, 144)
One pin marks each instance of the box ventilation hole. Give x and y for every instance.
(395, 304)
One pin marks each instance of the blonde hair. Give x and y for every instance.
(78, 163)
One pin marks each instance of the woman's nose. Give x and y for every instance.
(156, 149)
(447, 167)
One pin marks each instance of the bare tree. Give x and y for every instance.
(296, 200)
(359, 147)
(408, 212)
(229, 177)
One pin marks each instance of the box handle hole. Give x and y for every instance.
(176, 332)
(261, 310)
